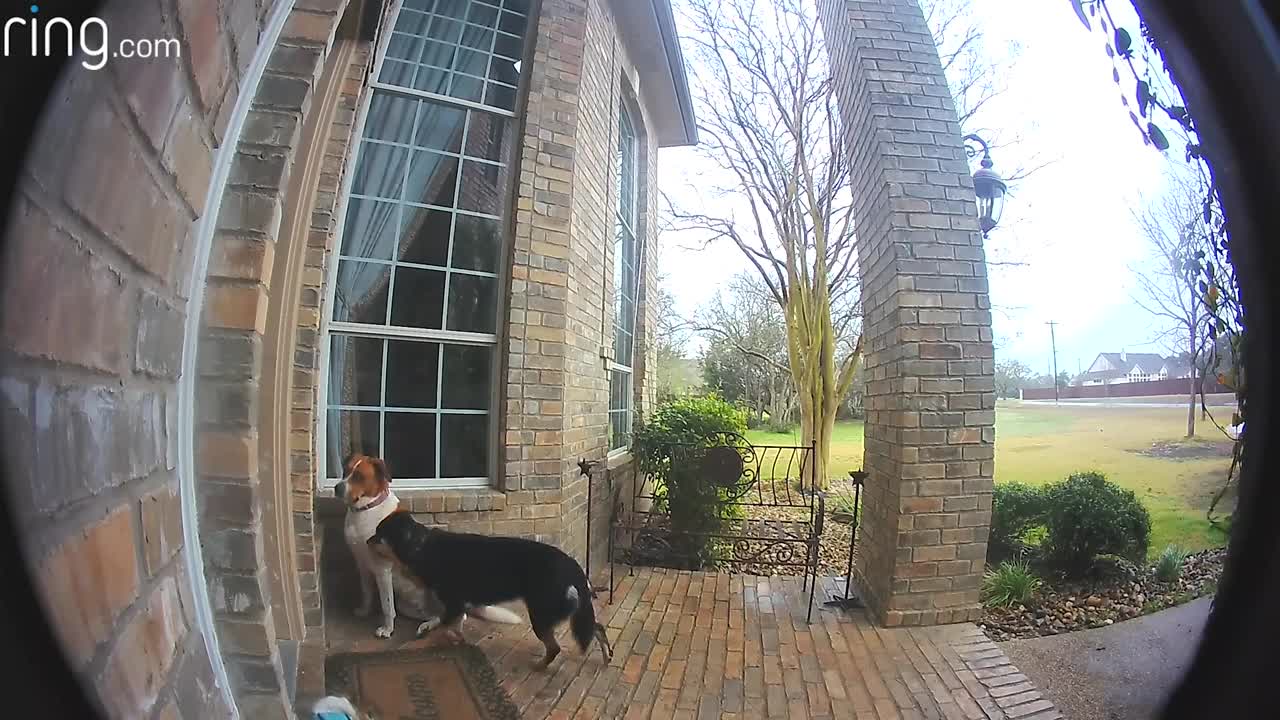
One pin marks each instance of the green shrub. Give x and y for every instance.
(665, 447)
(684, 421)
(1009, 583)
(1169, 566)
(1087, 516)
(1016, 509)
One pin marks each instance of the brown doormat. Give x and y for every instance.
(444, 683)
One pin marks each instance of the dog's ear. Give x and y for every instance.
(380, 468)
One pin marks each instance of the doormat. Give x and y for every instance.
(433, 683)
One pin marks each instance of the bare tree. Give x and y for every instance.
(767, 118)
(749, 322)
(1167, 285)
(976, 76)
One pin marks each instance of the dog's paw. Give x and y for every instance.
(384, 631)
(428, 626)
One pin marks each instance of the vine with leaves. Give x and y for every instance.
(1155, 99)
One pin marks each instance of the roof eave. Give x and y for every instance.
(675, 65)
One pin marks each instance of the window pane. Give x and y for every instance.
(355, 371)
(438, 54)
(487, 136)
(370, 229)
(432, 178)
(619, 409)
(432, 80)
(439, 127)
(471, 303)
(413, 20)
(380, 170)
(476, 242)
(471, 62)
(347, 432)
(404, 47)
(508, 46)
(464, 439)
(445, 30)
(395, 72)
(412, 373)
(419, 298)
(452, 8)
(481, 14)
(426, 236)
(390, 118)
(513, 23)
(466, 380)
(411, 444)
(361, 292)
(466, 88)
(504, 70)
(477, 39)
(500, 96)
(482, 186)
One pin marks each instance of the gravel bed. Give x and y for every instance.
(1123, 592)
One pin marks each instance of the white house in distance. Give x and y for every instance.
(1123, 367)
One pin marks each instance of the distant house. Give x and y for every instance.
(1123, 367)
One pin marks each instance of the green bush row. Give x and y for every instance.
(1082, 517)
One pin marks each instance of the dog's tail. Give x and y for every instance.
(495, 614)
(583, 623)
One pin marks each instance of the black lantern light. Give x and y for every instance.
(988, 186)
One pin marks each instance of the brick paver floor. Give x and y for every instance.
(702, 646)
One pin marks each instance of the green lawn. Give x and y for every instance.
(1041, 443)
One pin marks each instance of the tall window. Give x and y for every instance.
(626, 265)
(413, 330)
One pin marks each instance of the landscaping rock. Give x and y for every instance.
(1120, 593)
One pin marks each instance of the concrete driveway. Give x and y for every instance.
(1120, 672)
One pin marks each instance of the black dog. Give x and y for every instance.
(470, 570)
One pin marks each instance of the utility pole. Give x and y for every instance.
(1054, 344)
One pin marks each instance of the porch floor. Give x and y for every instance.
(704, 645)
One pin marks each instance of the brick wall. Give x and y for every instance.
(108, 214)
(96, 284)
(229, 433)
(556, 392)
(930, 394)
(321, 242)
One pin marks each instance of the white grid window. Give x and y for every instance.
(626, 262)
(467, 50)
(412, 333)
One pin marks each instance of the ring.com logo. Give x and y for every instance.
(36, 36)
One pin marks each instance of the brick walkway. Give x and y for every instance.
(700, 645)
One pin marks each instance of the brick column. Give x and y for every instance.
(930, 399)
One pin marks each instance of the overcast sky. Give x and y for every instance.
(1070, 222)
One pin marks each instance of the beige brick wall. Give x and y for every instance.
(108, 212)
(97, 278)
(930, 396)
(556, 394)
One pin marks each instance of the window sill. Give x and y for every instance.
(427, 500)
(618, 458)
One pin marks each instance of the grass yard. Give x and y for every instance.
(1038, 444)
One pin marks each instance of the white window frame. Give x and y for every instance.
(329, 327)
(632, 225)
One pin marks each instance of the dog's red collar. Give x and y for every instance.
(382, 497)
